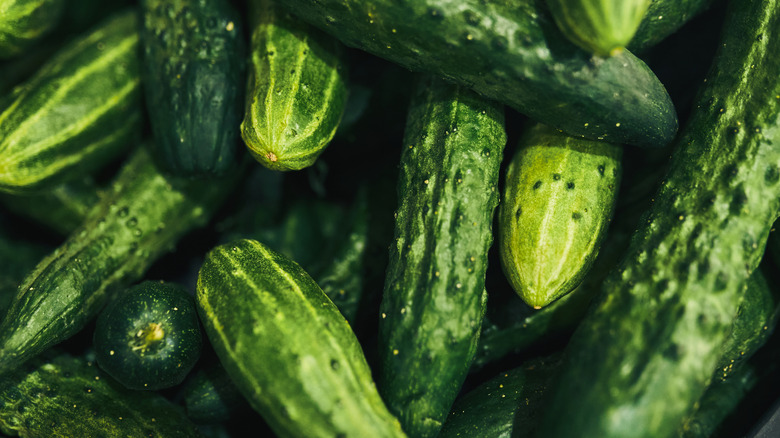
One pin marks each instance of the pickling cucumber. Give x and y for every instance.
(24, 22)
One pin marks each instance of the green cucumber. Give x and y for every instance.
(80, 110)
(18, 256)
(663, 18)
(140, 218)
(296, 90)
(211, 397)
(434, 295)
(287, 347)
(69, 397)
(149, 337)
(603, 27)
(640, 360)
(193, 81)
(24, 22)
(510, 51)
(559, 195)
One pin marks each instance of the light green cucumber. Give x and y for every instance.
(286, 346)
(559, 195)
(296, 91)
(24, 22)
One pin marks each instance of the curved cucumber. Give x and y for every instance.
(644, 355)
(559, 196)
(434, 296)
(24, 22)
(663, 18)
(287, 347)
(296, 91)
(80, 110)
(510, 51)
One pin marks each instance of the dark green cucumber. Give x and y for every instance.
(18, 256)
(559, 195)
(81, 109)
(663, 18)
(510, 51)
(434, 295)
(287, 347)
(296, 91)
(603, 27)
(149, 337)
(70, 397)
(644, 355)
(193, 79)
(24, 22)
(211, 397)
(141, 217)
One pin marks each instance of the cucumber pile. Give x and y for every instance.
(428, 218)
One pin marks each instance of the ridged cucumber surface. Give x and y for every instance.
(644, 355)
(286, 346)
(510, 51)
(559, 195)
(434, 296)
(296, 90)
(24, 22)
(141, 217)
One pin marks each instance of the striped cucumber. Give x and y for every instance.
(140, 218)
(81, 109)
(434, 295)
(24, 22)
(296, 90)
(510, 51)
(559, 196)
(287, 347)
(644, 355)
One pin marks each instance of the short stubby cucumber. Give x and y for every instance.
(559, 195)
(296, 90)
(434, 295)
(139, 218)
(644, 355)
(68, 397)
(81, 109)
(510, 51)
(663, 18)
(287, 347)
(24, 22)
(603, 27)
(193, 72)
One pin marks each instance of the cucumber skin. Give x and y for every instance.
(306, 375)
(512, 52)
(39, 153)
(663, 18)
(69, 397)
(211, 397)
(24, 22)
(434, 295)
(140, 218)
(193, 75)
(559, 195)
(296, 91)
(646, 352)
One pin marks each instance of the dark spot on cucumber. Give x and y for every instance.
(570, 185)
(576, 215)
(436, 13)
(334, 364)
(772, 174)
(471, 17)
(672, 352)
(729, 173)
(556, 176)
(499, 43)
(721, 281)
(537, 185)
(518, 212)
(696, 232)
(601, 169)
(739, 200)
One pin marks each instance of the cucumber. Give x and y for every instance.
(287, 347)
(640, 360)
(510, 51)
(663, 18)
(296, 91)
(17, 257)
(141, 217)
(559, 196)
(211, 397)
(434, 295)
(149, 337)
(24, 22)
(79, 111)
(68, 397)
(603, 27)
(193, 67)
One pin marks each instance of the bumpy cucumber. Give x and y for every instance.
(296, 91)
(193, 80)
(140, 218)
(23, 22)
(80, 110)
(68, 397)
(287, 347)
(559, 195)
(511, 51)
(664, 17)
(434, 295)
(640, 360)
(603, 27)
